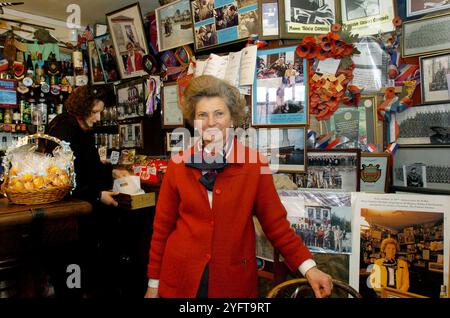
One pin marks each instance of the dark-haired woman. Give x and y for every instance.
(93, 181)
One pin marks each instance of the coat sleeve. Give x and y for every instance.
(273, 218)
(165, 220)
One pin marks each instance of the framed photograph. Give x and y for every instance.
(334, 169)
(419, 7)
(172, 113)
(269, 12)
(432, 169)
(95, 67)
(174, 23)
(131, 135)
(426, 35)
(177, 141)
(280, 94)
(302, 17)
(222, 22)
(107, 57)
(433, 73)
(424, 125)
(128, 36)
(368, 17)
(284, 148)
(358, 124)
(130, 99)
(8, 93)
(375, 172)
(399, 218)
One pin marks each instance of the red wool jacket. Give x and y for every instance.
(188, 234)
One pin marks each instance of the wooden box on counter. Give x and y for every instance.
(134, 202)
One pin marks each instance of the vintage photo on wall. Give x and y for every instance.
(433, 72)
(419, 7)
(424, 125)
(107, 55)
(130, 99)
(333, 169)
(368, 17)
(300, 17)
(426, 35)
(284, 148)
(437, 168)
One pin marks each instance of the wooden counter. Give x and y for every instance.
(14, 214)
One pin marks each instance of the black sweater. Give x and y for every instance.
(92, 176)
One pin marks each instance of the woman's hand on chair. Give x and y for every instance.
(320, 282)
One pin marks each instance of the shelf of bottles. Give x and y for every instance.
(106, 132)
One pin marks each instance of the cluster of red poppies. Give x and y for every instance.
(326, 93)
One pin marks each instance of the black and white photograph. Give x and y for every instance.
(416, 175)
(437, 167)
(130, 99)
(202, 9)
(424, 125)
(357, 9)
(280, 88)
(176, 141)
(368, 17)
(419, 7)
(308, 17)
(426, 35)
(131, 135)
(284, 148)
(333, 169)
(174, 23)
(205, 36)
(433, 72)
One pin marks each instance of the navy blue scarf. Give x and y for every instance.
(212, 165)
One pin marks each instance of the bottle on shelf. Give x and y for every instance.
(51, 112)
(443, 293)
(2, 111)
(60, 106)
(7, 116)
(78, 69)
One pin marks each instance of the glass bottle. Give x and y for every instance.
(443, 293)
(7, 117)
(42, 106)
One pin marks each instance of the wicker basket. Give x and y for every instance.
(40, 196)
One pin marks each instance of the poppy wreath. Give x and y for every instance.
(328, 91)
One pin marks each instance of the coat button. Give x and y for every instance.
(218, 191)
(208, 256)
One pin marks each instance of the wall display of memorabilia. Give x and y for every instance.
(333, 169)
(130, 45)
(174, 23)
(284, 148)
(217, 22)
(419, 7)
(358, 124)
(323, 220)
(370, 73)
(427, 35)
(375, 172)
(300, 17)
(130, 99)
(422, 169)
(172, 114)
(424, 125)
(131, 135)
(269, 12)
(368, 17)
(409, 225)
(95, 68)
(107, 56)
(8, 93)
(433, 72)
(280, 92)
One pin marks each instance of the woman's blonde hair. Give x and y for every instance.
(210, 86)
(388, 241)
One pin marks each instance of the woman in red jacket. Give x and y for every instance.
(203, 242)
